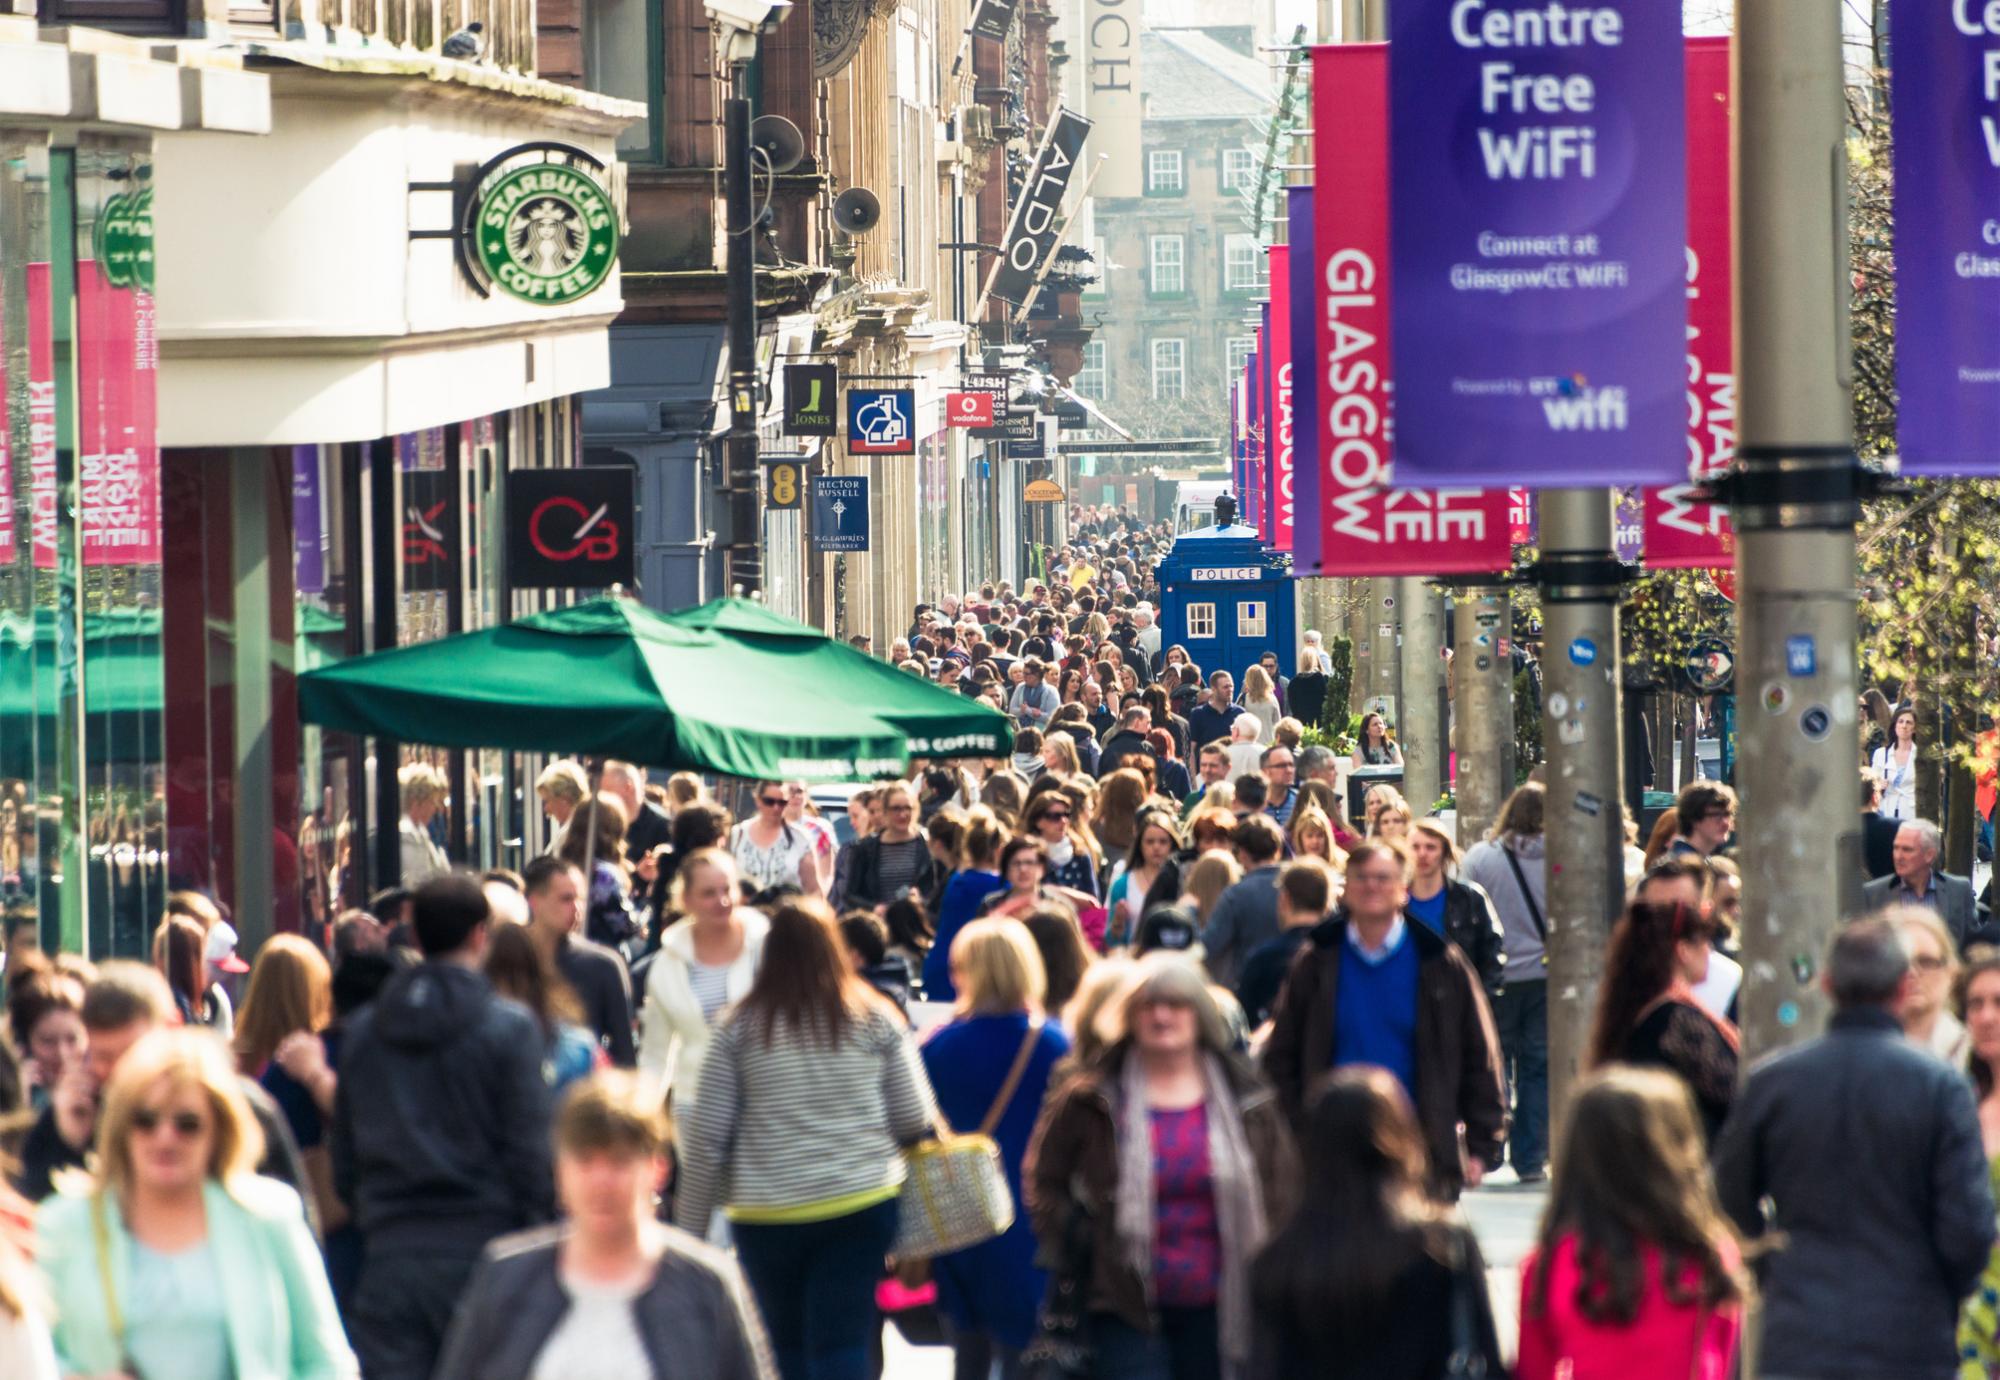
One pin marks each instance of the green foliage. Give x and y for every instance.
(1527, 728)
(1339, 680)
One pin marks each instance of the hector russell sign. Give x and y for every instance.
(1538, 211)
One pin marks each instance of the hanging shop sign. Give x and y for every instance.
(881, 421)
(1279, 468)
(1042, 491)
(992, 18)
(1362, 524)
(1032, 444)
(969, 409)
(1683, 531)
(810, 393)
(1538, 212)
(118, 452)
(784, 482)
(123, 239)
(1945, 104)
(538, 223)
(840, 512)
(1111, 93)
(570, 528)
(1297, 304)
(1031, 235)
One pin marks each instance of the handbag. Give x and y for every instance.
(955, 1188)
(1061, 1347)
(1468, 1359)
(114, 1317)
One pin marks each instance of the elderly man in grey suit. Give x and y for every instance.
(1917, 882)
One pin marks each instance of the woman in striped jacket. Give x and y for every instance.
(810, 1090)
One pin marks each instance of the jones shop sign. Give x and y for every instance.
(538, 224)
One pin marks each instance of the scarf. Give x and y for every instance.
(1239, 1198)
(1060, 852)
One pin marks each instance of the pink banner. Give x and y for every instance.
(1367, 527)
(118, 460)
(1279, 498)
(7, 533)
(43, 516)
(1682, 531)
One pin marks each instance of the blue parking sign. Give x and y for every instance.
(840, 512)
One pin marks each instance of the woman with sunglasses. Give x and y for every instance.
(1049, 818)
(769, 851)
(1647, 1012)
(177, 1261)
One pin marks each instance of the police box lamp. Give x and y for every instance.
(742, 22)
(856, 211)
(1225, 511)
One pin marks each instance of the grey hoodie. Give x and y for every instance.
(1520, 939)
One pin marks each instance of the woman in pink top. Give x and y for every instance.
(1638, 1275)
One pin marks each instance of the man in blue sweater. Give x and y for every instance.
(1209, 721)
(1371, 988)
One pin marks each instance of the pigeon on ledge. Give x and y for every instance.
(466, 44)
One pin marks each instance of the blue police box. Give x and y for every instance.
(1228, 597)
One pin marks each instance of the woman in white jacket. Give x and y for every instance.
(706, 961)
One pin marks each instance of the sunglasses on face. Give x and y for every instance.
(186, 1125)
(1059, 816)
(771, 800)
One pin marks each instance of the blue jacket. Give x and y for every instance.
(993, 1287)
(958, 908)
(282, 1324)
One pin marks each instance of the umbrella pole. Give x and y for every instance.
(596, 771)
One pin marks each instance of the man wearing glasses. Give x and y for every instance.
(1707, 815)
(1280, 774)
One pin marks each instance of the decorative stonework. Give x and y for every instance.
(838, 28)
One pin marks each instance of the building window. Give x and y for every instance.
(1166, 173)
(1250, 618)
(1201, 620)
(1241, 347)
(618, 36)
(1242, 263)
(1169, 368)
(1167, 262)
(1103, 261)
(1091, 378)
(1239, 169)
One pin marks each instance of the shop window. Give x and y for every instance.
(1201, 620)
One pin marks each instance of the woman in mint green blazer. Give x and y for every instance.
(176, 1262)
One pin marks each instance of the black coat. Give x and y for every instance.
(1120, 745)
(1869, 1149)
(864, 875)
(1878, 844)
(1471, 922)
(440, 1135)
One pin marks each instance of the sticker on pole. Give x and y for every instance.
(1801, 657)
(1777, 697)
(1582, 652)
(1816, 723)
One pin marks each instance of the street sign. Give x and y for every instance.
(840, 512)
(570, 528)
(1710, 666)
(784, 483)
(809, 393)
(1033, 446)
(881, 421)
(1043, 491)
(1010, 424)
(969, 409)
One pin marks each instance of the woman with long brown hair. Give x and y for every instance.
(1637, 1274)
(810, 1090)
(1647, 1013)
(291, 989)
(1357, 1283)
(1115, 820)
(522, 970)
(180, 953)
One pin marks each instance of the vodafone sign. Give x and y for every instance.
(968, 409)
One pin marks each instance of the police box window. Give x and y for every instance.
(1201, 620)
(1250, 618)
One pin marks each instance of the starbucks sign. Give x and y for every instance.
(539, 225)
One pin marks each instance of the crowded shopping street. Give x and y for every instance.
(999, 690)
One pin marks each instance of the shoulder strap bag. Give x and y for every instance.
(114, 1316)
(1521, 880)
(1468, 1359)
(955, 1188)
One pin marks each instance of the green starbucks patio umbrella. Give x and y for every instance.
(729, 687)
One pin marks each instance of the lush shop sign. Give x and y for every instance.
(538, 224)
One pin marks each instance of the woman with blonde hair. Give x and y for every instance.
(423, 789)
(1172, 1157)
(290, 990)
(1260, 700)
(1059, 755)
(977, 878)
(1389, 814)
(176, 1259)
(1311, 836)
(991, 1068)
(707, 959)
(1103, 982)
(1210, 876)
(683, 789)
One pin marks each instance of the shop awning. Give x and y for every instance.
(729, 687)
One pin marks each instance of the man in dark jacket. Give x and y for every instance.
(124, 1003)
(1878, 833)
(596, 974)
(1372, 988)
(1868, 1149)
(1128, 741)
(440, 1134)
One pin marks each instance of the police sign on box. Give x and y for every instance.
(1538, 212)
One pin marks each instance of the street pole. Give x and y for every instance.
(1483, 675)
(1794, 497)
(745, 549)
(1422, 735)
(1584, 830)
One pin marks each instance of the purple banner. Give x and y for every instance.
(1538, 220)
(1253, 434)
(1305, 391)
(308, 523)
(1946, 106)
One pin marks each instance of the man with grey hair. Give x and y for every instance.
(1316, 764)
(1917, 882)
(1868, 1151)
